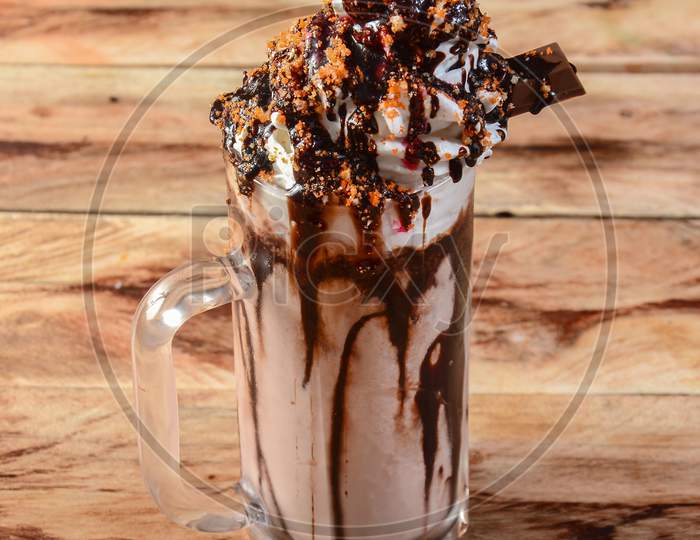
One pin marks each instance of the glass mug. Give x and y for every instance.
(350, 360)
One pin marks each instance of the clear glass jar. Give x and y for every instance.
(351, 357)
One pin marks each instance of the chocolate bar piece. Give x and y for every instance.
(545, 77)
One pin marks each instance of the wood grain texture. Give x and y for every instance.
(626, 467)
(70, 472)
(535, 328)
(166, 31)
(52, 145)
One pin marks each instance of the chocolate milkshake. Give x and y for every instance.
(351, 366)
(351, 157)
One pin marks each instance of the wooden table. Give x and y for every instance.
(627, 465)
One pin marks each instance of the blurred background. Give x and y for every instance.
(71, 74)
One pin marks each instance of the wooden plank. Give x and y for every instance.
(166, 31)
(91, 104)
(534, 331)
(53, 145)
(611, 435)
(46, 320)
(635, 472)
(69, 465)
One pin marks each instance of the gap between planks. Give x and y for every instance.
(681, 66)
(480, 215)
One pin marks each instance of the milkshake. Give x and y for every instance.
(351, 157)
(351, 368)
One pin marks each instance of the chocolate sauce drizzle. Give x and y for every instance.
(426, 204)
(307, 226)
(328, 67)
(455, 169)
(443, 371)
(399, 282)
(249, 366)
(338, 422)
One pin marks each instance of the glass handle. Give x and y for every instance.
(178, 296)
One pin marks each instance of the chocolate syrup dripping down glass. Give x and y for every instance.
(317, 171)
(338, 422)
(380, 278)
(455, 166)
(307, 225)
(443, 370)
(264, 480)
(426, 204)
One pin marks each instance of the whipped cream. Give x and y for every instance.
(352, 154)
(441, 112)
(366, 103)
(392, 121)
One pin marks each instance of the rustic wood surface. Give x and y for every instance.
(627, 466)
(166, 31)
(55, 142)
